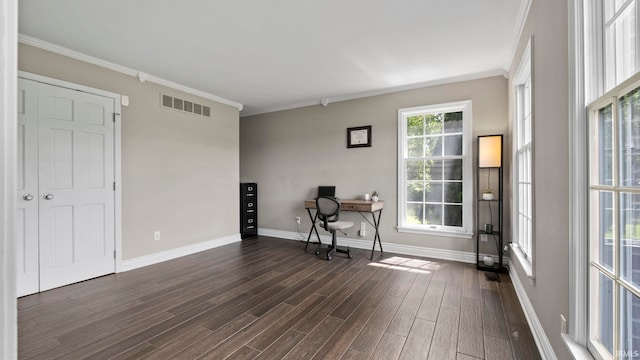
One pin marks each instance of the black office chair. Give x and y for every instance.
(328, 209)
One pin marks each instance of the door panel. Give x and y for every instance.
(76, 170)
(27, 184)
(61, 159)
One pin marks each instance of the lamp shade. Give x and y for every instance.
(490, 151)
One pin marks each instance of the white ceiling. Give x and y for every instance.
(278, 54)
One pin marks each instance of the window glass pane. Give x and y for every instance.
(629, 113)
(414, 213)
(605, 145)
(415, 169)
(620, 45)
(630, 238)
(453, 122)
(453, 215)
(433, 146)
(453, 169)
(606, 239)
(611, 7)
(415, 190)
(433, 169)
(629, 325)
(453, 145)
(434, 214)
(433, 124)
(415, 147)
(415, 125)
(453, 192)
(605, 297)
(433, 192)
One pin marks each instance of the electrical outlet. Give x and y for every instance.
(563, 324)
(156, 235)
(363, 229)
(483, 237)
(297, 219)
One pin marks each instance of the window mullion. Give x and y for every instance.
(617, 232)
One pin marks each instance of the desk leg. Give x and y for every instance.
(376, 237)
(313, 228)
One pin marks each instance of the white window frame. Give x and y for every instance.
(586, 83)
(595, 268)
(523, 235)
(465, 231)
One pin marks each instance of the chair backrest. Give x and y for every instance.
(328, 209)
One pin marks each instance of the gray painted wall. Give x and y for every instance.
(180, 172)
(289, 153)
(549, 293)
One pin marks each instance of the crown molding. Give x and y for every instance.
(521, 19)
(360, 95)
(45, 45)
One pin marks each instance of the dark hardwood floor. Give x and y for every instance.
(266, 299)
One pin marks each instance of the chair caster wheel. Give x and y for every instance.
(349, 254)
(328, 256)
(317, 252)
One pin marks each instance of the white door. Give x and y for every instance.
(65, 220)
(76, 177)
(27, 189)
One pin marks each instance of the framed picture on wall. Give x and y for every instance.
(359, 136)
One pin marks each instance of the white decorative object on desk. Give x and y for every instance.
(487, 195)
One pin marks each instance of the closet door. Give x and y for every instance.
(27, 189)
(76, 176)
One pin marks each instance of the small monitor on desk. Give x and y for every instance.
(326, 191)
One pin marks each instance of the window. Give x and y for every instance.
(522, 218)
(614, 178)
(434, 169)
(614, 234)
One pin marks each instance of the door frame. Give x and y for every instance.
(117, 150)
(8, 171)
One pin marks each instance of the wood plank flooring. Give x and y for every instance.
(265, 298)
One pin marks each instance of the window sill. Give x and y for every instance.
(524, 261)
(576, 350)
(434, 232)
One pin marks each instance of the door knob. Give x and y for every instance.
(48, 196)
(27, 197)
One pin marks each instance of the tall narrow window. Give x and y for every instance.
(613, 58)
(522, 218)
(434, 169)
(614, 195)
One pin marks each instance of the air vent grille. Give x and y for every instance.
(167, 101)
(191, 107)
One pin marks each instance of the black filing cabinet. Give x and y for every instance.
(248, 210)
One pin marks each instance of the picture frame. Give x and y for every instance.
(359, 136)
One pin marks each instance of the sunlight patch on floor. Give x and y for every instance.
(407, 264)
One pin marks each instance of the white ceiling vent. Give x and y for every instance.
(191, 107)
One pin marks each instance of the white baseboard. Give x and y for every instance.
(151, 259)
(539, 335)
(460, 256)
